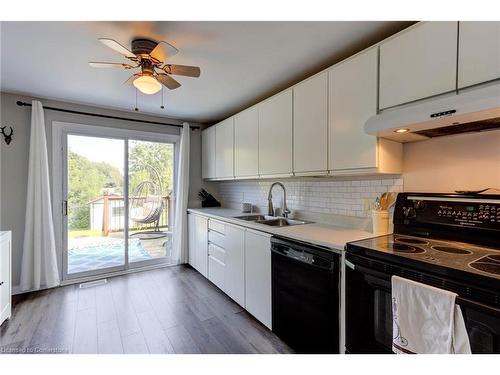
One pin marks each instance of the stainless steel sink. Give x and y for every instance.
(272, 221)
(252, 217)
(282, 222)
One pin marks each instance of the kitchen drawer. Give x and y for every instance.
(217, 252)
(216, 271)
(217, 238)
(216, 226)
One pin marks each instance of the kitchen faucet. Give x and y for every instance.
(270, 201)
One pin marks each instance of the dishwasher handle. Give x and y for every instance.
(302, 256)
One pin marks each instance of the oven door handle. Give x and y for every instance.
(478, 306)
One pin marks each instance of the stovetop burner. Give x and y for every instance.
(413, 241)
(453, 254)
(452, 250)
(403, 248)
(488, 264)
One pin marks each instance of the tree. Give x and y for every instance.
(86, 181)
(147, 157)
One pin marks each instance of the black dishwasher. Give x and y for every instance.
(305, 296)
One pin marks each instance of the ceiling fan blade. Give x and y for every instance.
(163, 51)
(113, 44)
(131, 79)
(182, 70)
(168, 81)
(110, 65)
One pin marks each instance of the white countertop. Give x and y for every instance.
(331, 236)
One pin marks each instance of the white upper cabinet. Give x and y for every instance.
(479, 53)
(352, 101)
(310, 125)
(418, 63)
(246, 143)
(208, 152)
(224, 148)
(275, 135)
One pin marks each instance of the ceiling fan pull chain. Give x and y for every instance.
(162, 106)
(136, 108)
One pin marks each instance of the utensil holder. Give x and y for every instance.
(380, 221)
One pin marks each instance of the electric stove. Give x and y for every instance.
(449, 241)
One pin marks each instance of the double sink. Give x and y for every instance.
(272, 221)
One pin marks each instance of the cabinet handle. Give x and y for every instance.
(1, 283)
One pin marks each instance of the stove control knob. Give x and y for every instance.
(419, 205)
(409, 212)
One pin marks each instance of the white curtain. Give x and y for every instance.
(39, 263)
(180, 235)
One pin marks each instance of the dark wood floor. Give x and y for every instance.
(170, 310)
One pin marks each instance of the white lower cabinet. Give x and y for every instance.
(234, 272)
(198, 243)
(5, 276)
(258, 276)
(216, 266)
(236, 259)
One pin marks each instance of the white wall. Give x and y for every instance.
(445, 164)
(460, 162)
(14, 158)
(324, 196)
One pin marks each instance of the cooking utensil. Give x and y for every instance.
(391, 199)
(383, 201)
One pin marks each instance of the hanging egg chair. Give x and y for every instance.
(146, 202)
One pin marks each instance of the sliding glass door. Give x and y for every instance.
(151, 179)
(117, 200)
(95, 204)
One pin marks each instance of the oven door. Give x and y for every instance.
(369, 313)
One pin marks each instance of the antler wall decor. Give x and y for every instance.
(7, 137)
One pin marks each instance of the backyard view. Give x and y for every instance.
(96, 202)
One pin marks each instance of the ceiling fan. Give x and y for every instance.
(149, 56)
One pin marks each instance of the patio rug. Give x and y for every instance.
(87, 254)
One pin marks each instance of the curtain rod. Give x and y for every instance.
(24, 104)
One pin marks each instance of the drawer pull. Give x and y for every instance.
(1, 283)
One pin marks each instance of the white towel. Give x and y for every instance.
(426, 320)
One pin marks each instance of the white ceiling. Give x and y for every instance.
(241, 62)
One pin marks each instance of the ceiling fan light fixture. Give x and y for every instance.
(147, 84)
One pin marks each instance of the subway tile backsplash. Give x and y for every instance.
(325, 196)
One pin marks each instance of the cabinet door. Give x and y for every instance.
(310, 125)
(246, 143)
(352, 100)
(192, 242)
(5, 277)
(202, 245)
(258, 276)
(224, 148)
(275, 135)
(418, 63)
(216, 266)
(478, 52)
(208, 153)
(235, 264)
